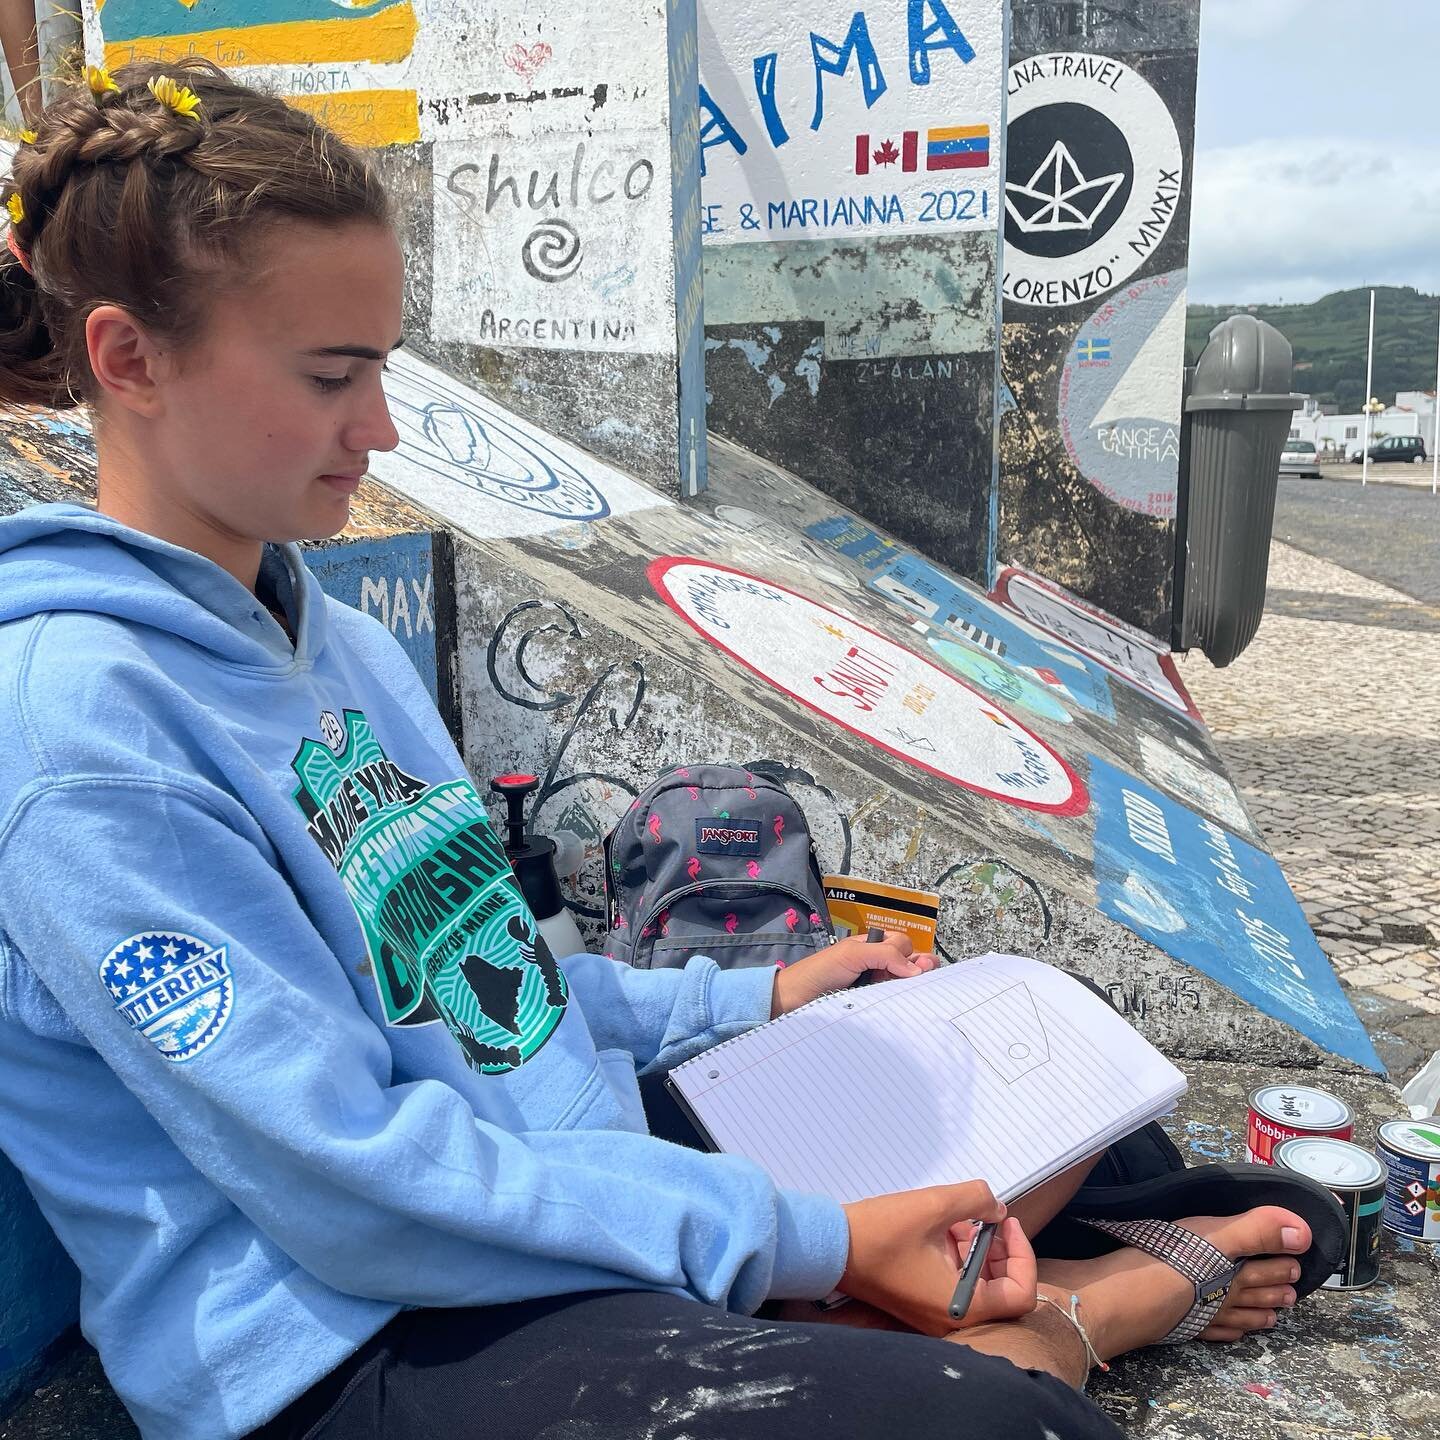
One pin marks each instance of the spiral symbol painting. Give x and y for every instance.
(552, 251)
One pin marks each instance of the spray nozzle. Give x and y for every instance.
(514, 789)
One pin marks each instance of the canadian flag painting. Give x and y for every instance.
(884, 152)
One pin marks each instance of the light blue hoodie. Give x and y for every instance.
(280, 1050)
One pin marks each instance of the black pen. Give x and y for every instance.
(873, 936)
(971, 1270)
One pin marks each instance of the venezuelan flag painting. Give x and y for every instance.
(243, 33)
(958, 147)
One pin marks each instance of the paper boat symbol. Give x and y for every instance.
(1058, 196)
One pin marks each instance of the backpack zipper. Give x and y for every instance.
(672, 896)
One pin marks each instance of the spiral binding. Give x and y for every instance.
(764, 1025)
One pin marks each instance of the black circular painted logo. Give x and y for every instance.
(1068, 177)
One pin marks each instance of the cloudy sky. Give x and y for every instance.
(1317, 148)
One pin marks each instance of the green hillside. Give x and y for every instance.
(1328, 337)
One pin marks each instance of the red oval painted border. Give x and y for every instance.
(1079, 800)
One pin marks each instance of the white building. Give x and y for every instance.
(1346, 433)
(1422, 402)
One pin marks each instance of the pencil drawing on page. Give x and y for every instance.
(1006, 1033)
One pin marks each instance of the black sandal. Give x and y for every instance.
(1140, 1215)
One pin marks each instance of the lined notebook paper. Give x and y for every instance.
(998, 1068)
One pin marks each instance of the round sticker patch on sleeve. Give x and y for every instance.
(177, 991)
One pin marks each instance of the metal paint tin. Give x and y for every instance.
(1410, 1150)
(1357, 1180)
(1291, 1112)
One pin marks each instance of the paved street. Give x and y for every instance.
(1388, 531)
(1330, 723)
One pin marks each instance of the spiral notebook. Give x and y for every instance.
(998, 1068)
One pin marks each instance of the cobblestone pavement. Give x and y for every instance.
(1330, 724)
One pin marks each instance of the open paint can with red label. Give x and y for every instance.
(1286, 1112)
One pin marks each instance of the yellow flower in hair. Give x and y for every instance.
(29, 137)
(15, 208)
(99, 81)
(178, 98)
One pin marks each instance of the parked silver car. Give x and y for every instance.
(1299, 457)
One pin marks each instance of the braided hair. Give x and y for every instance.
(121, 200)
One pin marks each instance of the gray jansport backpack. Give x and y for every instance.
(713, 860)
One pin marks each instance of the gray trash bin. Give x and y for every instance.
(1237, 417)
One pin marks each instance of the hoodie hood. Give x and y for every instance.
(70, 557)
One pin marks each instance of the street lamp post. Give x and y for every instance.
(1435, 443)
(1369, 373)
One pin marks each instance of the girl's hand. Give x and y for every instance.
(906, 1251)
(842, 964)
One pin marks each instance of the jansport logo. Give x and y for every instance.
(177, 991)
(727, 837)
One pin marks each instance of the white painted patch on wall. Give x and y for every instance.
(555, 243)
(552, 165)
(837, 118)
(1205, 789)
(487, 471)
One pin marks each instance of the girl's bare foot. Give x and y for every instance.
(1128, 1299)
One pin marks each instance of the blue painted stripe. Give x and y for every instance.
(957, 147)
(140, 19)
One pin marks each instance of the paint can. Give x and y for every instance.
(1357, 1180)
(1292, 1112)
(1410, 1150)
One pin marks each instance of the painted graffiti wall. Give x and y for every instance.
(850, 211)
(1100, 142)
(931, 734)
(545, 160)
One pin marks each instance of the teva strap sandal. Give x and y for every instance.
(1209, 1270)
(1219, 1190)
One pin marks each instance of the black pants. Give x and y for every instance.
(636, 1365)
